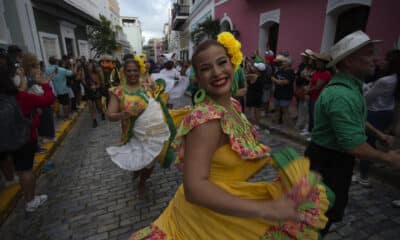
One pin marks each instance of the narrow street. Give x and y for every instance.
(91, 198)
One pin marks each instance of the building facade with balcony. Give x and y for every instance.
(180, 27)
(133, 30)
(115, 18)
(200, 11)
(286, 25)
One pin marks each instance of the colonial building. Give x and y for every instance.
(132, 28)
(115, 18)
(180, 26)
(62, 26)
(296, 25)
(17, 26)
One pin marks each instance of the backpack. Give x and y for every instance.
(15, 129)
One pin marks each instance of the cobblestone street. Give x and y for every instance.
(91, 198)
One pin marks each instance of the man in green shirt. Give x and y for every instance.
(338, 136)
(239, 86)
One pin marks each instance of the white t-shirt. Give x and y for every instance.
(171, 77)
(379, 95)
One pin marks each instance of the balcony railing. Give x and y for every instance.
(180, 13)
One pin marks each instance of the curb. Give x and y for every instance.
(10, 195)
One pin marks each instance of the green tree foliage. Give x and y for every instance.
(209, 29)
(103, 37)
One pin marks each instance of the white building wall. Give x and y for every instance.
(18, 26)
(91, 7)
(199, 12)
(134, 35)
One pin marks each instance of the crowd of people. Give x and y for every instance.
(215, 144)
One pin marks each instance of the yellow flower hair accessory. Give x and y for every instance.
(232, 46)
(142, 68)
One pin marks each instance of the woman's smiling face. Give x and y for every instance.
(214, 71)
(132, 74)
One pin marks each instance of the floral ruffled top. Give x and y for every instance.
(243, 138)
(135, 102)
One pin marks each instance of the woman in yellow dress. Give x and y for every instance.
(144, 122)
(219, 151)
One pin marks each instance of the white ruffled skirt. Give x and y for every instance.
(149, 133)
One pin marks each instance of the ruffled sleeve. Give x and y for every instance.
(200, 114)
(244, 142)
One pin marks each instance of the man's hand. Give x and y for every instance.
(388, 140)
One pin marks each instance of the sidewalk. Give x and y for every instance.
(10, 195)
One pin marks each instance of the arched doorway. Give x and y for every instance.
(272, 42)
(269, 31)
(344, 17)
(225, 26)
(226, 23)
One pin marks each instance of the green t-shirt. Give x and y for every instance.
(340, 114)
(258, 60)
(239, 79)
(192, 86)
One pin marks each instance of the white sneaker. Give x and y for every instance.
(36, 202)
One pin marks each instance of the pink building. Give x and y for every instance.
(295, 25)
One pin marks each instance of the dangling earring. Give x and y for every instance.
(199, 96)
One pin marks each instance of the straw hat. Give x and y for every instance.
(106, 57)
(251, 77)
(322, 57)
(348, 45)
(168, 56)
(281, 58)
(307, 53)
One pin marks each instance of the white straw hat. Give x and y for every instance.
(307, 53)
(168, 56)
(348, 45)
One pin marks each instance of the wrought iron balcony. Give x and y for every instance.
(180, 13)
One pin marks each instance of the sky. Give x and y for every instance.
(151, 13)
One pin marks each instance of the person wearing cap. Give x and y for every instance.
(303, 73)
(338, 136)
(269, 57)
(170, 72)
(319, 79)
(283, 80)
(255, 92)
